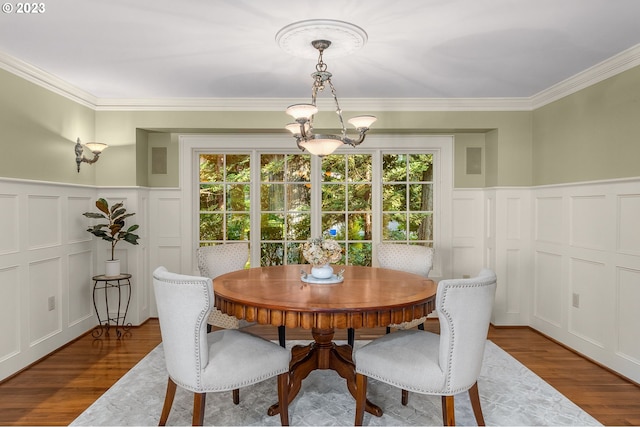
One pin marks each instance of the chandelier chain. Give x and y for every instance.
(321, 66)
(338, 109)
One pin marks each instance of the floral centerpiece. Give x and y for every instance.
(319, 251)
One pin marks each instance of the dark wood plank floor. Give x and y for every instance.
(60, 387)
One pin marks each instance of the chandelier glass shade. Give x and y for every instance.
(302, 129)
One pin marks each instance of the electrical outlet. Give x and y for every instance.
(52, 303)
(576, 300)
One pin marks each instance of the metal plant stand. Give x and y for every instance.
(104, 283)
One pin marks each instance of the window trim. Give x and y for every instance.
(192, 145)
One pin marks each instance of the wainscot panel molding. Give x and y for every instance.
(491, 228)
(567, 259)
(47, 260)
(512, 249)
(44, 303)
(166, 239)
(586, 270)
(467, 229)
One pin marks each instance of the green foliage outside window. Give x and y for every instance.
(224, 197)
(285, 204)
(407, 198)
(346, 202)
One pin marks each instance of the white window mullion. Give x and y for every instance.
(376, 203)
(316, 196)
(254, 236)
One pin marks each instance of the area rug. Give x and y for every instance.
(509, 392)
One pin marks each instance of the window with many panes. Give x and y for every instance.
(347, 215)
(399, 185)
(407, 198)
(225, 205)
(285, 207)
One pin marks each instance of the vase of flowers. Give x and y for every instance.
(320, 253)
(322, 271)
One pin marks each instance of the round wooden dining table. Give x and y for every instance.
(368, 297)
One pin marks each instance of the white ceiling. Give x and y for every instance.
(147, 49)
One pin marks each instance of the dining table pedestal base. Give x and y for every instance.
(323, 353)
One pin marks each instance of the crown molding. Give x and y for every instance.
(46, 80)
(347, 104)
(610, 67)
(615, 65)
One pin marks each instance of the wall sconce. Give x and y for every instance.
(95, 147)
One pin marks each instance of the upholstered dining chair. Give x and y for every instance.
(204, 362)
(214, 261)
(217, 260)
(429, 363)
(414, 259)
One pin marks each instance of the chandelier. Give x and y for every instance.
(302, 129)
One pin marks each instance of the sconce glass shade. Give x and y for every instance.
(96, 147)
(301, 111)
(321, 146)
(362, 122)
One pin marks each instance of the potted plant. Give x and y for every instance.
(112, 231)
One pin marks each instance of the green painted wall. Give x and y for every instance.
(462, 179)
(142, 150)
(491, 158)
(591, 135)
(38, 132)
(511, 151)
(168, 142)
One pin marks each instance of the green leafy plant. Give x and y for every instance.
(114, 230)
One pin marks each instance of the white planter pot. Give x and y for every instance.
(112, 268)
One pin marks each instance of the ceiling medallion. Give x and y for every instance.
(345, 38)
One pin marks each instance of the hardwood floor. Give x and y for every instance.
(60, 387)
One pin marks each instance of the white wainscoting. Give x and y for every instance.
(42, 254)
(545, 244)
(47, 260)
(467, 232)
(166, 242)
(491, 229)
(586, 270)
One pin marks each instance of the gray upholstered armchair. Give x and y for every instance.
(428, 363)
(219, 361)
(414, 259)
(214, 261)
